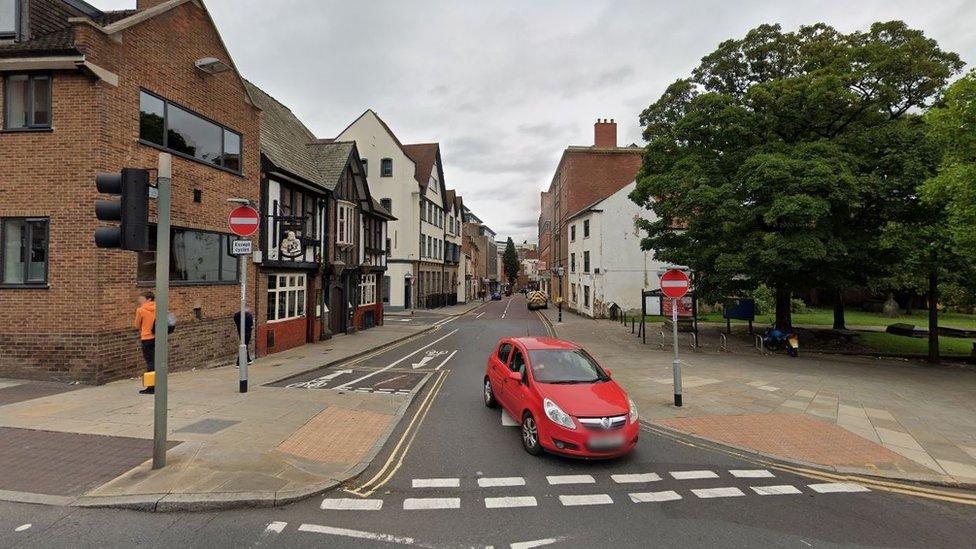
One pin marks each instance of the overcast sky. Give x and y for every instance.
(505, 86)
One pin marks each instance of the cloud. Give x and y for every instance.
(505, 86)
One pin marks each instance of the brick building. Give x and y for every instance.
(584, 175)
(87, 91)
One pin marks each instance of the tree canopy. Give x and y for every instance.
(780, 160)
(510, 262)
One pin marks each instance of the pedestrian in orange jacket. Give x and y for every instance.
(145, 318)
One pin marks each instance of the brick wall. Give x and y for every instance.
(80, 327)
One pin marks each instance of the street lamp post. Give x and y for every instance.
(559, 300)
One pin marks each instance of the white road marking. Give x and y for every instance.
(415, 504)
(423, 362)
(351, 504)
(479, 315)
(592, 499)
(570, 479)
(377, 384)
(781, 490)
(769, 388)
(507, 420)
(706, 493)
(628, 479)
(751, 473)
(359, 534)
(691, 475)
(392, 364)
(318, 382)
(495, 482)
(652, 497)
(446, 360)
(534, 543)
(436, 482)
(835, 487)
(507, 502)
(23, 527)
(444, 321)
(275, 527)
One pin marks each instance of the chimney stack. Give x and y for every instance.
(146, 4)
(605, 134)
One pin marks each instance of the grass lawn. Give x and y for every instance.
(891, 343)
(825, 317)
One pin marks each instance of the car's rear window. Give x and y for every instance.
(565, 366)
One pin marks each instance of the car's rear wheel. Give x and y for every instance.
(530, 435)
(489, 395)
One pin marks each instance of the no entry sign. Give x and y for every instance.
(244, 221)
(675, 283)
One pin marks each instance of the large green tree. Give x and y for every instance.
(934, 237)
(510, 262)
(780, 159)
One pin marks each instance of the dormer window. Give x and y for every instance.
(386, 167)
(9, 18)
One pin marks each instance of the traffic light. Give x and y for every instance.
(132, 211)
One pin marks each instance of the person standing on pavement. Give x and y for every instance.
(248, 327)
(145, 318)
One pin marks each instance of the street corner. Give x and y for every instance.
(799, 439)
(338, 436)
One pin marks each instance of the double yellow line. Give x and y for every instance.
(395, 461)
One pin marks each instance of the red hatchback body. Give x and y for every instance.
(564, 401)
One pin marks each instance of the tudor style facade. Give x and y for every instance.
(323, 239)
(86, 91)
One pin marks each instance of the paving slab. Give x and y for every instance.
(920, 420)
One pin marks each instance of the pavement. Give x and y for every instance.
(453, 474)
(76, 445)
(884, 418)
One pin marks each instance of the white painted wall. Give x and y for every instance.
(374, 144)
(614, 245)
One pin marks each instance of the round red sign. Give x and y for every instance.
(675, 283)
(244, 221)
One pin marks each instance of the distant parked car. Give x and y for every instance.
(495, 296)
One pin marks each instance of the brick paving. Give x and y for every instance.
(65, 464)
(337, 435)
(797, 437)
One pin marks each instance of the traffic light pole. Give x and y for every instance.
(163, 182)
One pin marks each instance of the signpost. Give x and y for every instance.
(674, 284)
(243, 222)
(164, 182)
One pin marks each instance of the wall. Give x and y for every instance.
(375, 143)
(80, 327)
(625, 269)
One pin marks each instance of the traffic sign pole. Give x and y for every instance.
(243, 221)
(676, 364)
(674, 284)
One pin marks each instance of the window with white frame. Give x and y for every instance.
(367, 290)
(286, 296)
(345, 215)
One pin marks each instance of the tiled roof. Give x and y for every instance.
(331, 159)
(284, 139)
(60, 42)
(423, 156)
(381, 211)
(50, 31)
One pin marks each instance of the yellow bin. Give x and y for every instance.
(149, 379)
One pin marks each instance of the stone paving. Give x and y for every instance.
(226, 442)
(923, 413)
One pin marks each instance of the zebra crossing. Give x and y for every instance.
(452, 493)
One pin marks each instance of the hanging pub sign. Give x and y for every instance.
(290, 228)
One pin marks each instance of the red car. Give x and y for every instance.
(564, 400)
